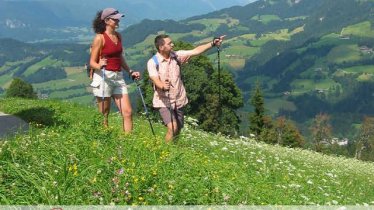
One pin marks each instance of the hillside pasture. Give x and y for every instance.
(363, 29)
(300, 86)
(10, 68)
(365, 77)
(48, 61)
(9, 65)
(369, 69)
(68, 158)
(266, 18)
(74, 70)
(78, 78)
(344, 53)
(280, 35)
(5, 80)
(211, 24)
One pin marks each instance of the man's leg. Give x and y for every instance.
(170, 124)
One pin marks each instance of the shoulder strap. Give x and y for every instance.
(175, 57)
(102, 43)
(154, 57)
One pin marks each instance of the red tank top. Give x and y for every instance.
(112, 52)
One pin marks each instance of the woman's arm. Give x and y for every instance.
(95, 61)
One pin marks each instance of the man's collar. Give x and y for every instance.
(161, 57)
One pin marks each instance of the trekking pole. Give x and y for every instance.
(145, 107)
(219, 84)
(103, 83)
(170, 110)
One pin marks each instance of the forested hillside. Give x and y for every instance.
(310, 57)
(55, 70)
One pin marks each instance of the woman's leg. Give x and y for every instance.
(124, 106)
(104, 108)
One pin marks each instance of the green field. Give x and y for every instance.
(344, 53)
(369, 69)
(363, 29)
(300, 86)
(266, 18)
(42, 64)
(68, 158)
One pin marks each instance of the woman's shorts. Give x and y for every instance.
(112, 84)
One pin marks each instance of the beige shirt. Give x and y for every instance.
(169, 69)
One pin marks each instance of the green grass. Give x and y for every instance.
(45, 62)
(344, 53)
(362, 29)
(300, 86)
(5, 80)
(72, 80)
(369, 69)
(68, 158)
(266, 18)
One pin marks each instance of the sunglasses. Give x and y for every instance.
(113, 13)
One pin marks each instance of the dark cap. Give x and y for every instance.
(111, 13)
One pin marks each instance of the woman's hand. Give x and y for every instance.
(102, 62)
(135, 75)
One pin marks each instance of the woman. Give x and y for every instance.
(108, 62)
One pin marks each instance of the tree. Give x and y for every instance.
(365, 140)
(256, 118)
(220, 116)
(321, 131)
(288, 134)
(20, 88)
(282, 132)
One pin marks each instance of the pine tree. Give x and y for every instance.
(20, 88)
(256, 118)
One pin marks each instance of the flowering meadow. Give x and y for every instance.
(68, 158)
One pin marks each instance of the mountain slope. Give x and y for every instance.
(322, 49)
(38, 20)
(67, 158)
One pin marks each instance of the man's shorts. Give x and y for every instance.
(178, 115)
(113, 83)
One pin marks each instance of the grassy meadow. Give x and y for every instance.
(68, 158)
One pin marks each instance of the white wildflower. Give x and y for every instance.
(213, 143)
(305, 197)
(243, 138)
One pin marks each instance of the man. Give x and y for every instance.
(164, 70)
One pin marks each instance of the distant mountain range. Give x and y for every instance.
(31, 20)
